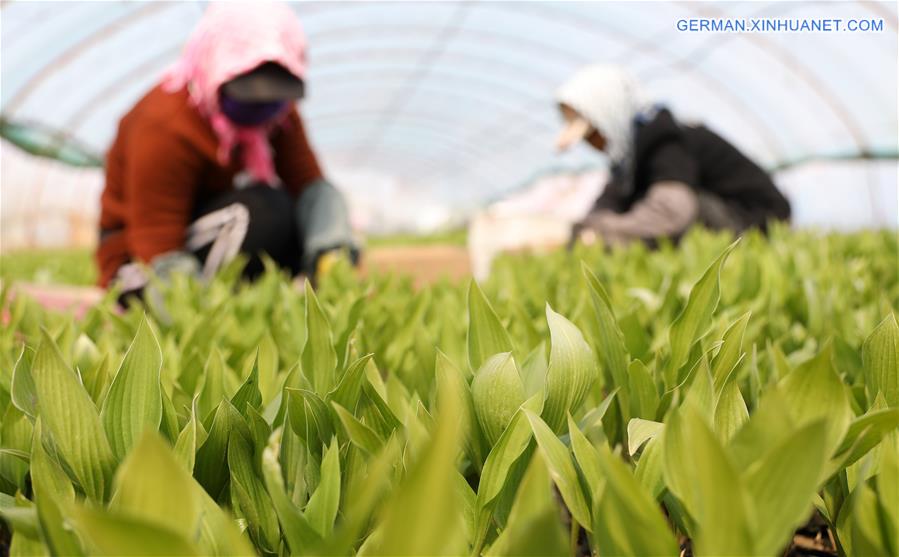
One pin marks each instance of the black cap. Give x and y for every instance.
(266, 83)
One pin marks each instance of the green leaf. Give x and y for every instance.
(561, 469)
(769, 425)
(731, 352)
(322, 508)
(486, 334)
(213, 391)
(292, 457)
(593, 418)
(134, 401)
(700, 473)
(16, 454)
(502, 457)
(496, 392)
(533, 528)
(587, 458)
(309, 417)
(423, 516)
(571, 373)
(533, 371)
(350, 326)
(626, 520)
(249, 393)
(468, 500)
(319, 356)
(267, 358)
(636, 338)
(864, 433)
(57, 532)
(649, 472)
(504, 453)
(865, 524)
(383, 419)
(639, 432)
(46, 474)
(96, 380)
(644, 396)
(779, 363)
(51, 489)
(260, 431)
(887, 487)
(781, 486)
(450, 378)
(880, 358)
(814, 391)
(365, 491)
(168, 426)
(112, 534)
(360, 434)
(24, 546)
(254, 501)
(612, 350)
(85, 354)
(15, 440)
(23, 390)
(191, 438)
(701, 392)
(349, 389)
(731, 412)
(153, 486)
(694, 320)
(72, 420)
(23, 520)
(219, 534)
(211, 467)
(301, 537)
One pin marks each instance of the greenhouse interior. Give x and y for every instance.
(452, 277)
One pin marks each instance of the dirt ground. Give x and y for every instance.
(425, 264)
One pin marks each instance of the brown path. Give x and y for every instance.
(426, 264)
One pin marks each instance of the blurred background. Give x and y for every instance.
(439, 116)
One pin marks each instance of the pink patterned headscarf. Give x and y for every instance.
(232, 39)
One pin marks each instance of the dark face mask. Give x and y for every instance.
(250, 114)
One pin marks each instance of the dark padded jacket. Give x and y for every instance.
(668, 151)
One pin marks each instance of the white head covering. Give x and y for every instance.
(609, 99)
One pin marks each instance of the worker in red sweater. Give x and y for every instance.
(214, 160)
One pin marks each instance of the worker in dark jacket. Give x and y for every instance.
(214, 160)
(665, 176)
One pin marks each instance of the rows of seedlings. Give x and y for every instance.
(710, 398)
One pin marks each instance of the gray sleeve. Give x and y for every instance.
(165, 267)
(323, 220)
(668, 209)
(175, 262)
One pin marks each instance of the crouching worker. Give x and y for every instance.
(665, 176)
(214, 161)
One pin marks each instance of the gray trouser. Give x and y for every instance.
(667, 211)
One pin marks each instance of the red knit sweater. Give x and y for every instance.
(163, 163)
